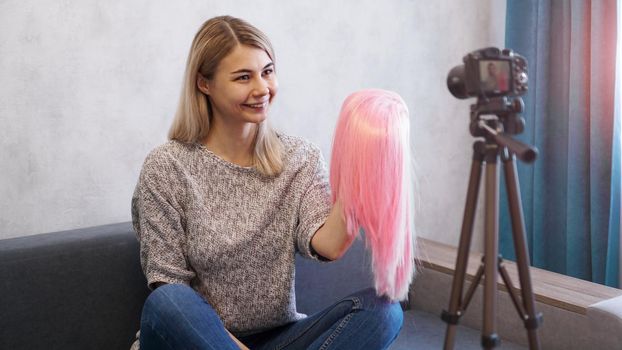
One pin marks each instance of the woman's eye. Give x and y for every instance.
(243, 77)
(268, 71)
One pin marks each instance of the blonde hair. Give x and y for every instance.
(214, 41)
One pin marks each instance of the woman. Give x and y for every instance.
(221, 209)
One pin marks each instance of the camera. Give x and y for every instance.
(488, 73)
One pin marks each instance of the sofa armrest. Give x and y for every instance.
(605, 320)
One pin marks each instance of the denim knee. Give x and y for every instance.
(175, 316)
(159, 301)
(164, 293)
(394, 316)
(386, 312)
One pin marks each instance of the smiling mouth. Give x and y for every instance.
(257, 105)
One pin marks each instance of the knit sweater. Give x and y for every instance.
(228, 231)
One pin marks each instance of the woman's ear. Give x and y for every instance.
(202, 84)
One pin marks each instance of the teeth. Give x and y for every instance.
(257, 105)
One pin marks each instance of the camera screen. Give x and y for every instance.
(494, 76)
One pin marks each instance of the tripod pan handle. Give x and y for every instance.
(523, 151)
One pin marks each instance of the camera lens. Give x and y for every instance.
(456, 82)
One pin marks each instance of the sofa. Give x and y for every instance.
(84, 289)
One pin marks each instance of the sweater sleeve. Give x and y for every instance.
(158, 219)
(314, 206)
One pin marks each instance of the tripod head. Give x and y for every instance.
(497, 78)
(496, 119)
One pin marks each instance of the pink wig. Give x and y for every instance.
(371, 175)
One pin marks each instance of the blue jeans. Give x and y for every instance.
(175, 316)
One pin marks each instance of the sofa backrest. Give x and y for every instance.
(84, 289)
(79, 289)
(319, 285)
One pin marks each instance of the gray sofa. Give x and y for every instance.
(84, 289)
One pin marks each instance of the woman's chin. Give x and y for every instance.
(256, 118)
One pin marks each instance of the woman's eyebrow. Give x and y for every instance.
(246, 70)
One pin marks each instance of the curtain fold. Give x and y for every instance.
(571, 194)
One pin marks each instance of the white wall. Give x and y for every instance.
(88, 87)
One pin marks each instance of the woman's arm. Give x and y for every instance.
(331, 240)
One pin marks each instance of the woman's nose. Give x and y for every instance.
(262, 87)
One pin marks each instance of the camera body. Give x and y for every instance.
(488, 73)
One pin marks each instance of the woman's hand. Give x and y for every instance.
(331, 240)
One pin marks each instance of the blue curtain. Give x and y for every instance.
(571, 194)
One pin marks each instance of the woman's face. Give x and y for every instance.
(492, 69)
(243, 86)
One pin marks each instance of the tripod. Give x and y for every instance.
(488, 152)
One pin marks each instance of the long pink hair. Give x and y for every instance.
(371, 175)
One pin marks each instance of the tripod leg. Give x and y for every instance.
(532, 320)
(511, 291)
(476, 280)
(490, 338)
(452, 315)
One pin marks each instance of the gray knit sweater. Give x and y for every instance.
(228, 231)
